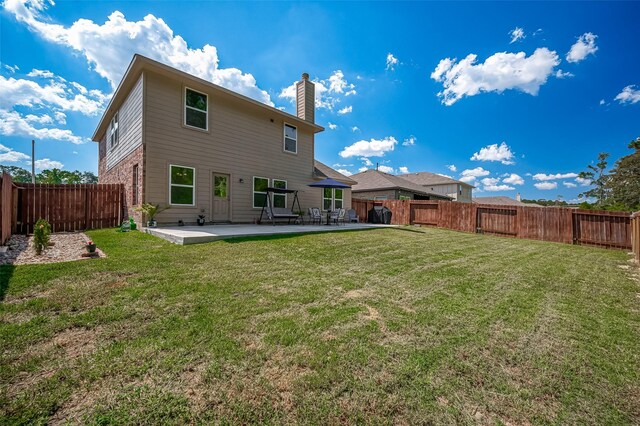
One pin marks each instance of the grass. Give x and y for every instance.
(381, 326)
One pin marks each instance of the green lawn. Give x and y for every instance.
(383, 326)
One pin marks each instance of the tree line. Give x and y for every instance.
(52, 176)
(618, 188)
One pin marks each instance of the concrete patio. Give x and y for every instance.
(202, 234)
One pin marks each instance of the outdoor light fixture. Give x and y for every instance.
(241, 180)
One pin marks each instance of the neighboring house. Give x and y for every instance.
(183, 142)
(439, 184)
(376, 185)
(333, 198)
(503, 201)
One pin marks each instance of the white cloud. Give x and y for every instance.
(14, 124)
(498, 188)
(11, 69)
(355, 129)
(332, 126)
(46, 163)
(494, 152)
(345, 110)
(328, 92)
(563, 74)
(363, 169)
(452, 167)
(516, 34)
(41, 73)
(513, 179)
(344, 172)
(370, 148)
(470, 175)
(410, 141)
(546, 185)
(583, 181)
(392, 61)
(545, 177)
(366, 161)
(629, 95)
(75, 152)
(489, 181)
(39, 119)
(60, 117)
(55, 94)
(8, 155)
(585, 46)
(386, 169)
(499, 72)
(569, 184)
(403, 169)
(602, 102)
(109, 47)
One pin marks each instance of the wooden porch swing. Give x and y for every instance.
(276, 213)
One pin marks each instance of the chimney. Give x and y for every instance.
(305, 98)
(518, 197)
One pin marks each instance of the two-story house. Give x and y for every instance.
(185, 143)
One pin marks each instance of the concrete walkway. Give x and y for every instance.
(202, 234)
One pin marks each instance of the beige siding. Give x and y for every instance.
(370, 195)
(129, 126)
(242, 141)
(451, 190)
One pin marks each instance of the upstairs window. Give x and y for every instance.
(114, 134)
(182, 185)
(196, 109)
(280, 200)
(290, 138)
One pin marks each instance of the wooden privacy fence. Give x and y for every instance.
(635, 235)
(6, 207)
(69, 207)
(563, 225)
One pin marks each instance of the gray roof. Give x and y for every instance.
(501, 201)
(322, 171)
(375, 180)
(428, 178)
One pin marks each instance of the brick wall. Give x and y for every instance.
(122, 172)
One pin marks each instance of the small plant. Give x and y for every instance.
(150, 211)
(41, 235)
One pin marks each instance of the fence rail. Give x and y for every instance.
(558, 224)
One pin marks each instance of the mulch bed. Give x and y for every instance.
(66, 247)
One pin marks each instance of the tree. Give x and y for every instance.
(625, 179)
(53, 176)
(599, 179)
(18, 174)
(74, 177)
(89, 177)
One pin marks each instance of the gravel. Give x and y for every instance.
(67, 247)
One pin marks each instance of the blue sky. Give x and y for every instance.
(511, 97)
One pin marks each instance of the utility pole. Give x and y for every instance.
(33, 161)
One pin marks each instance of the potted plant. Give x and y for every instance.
(150, 211)
(200, 220)
(90, 246)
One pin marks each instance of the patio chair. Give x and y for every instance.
(333, 216)
(342, 217)
(353, 216)
(315, 215)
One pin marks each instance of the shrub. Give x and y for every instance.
(41, 234)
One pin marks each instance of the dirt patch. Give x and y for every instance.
(75, 342)
(66, 247)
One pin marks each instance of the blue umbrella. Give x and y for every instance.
(328, 183)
